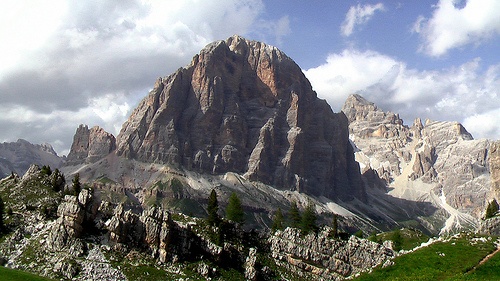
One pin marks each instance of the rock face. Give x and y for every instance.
(18, 156)
(321, 255)
(490, 226)
(245, 107)
(436, 162)
(494, 161)
(72, 213)
(90, 145)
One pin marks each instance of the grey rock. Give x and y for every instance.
(18, 156)
(250, 271)
(324, 256)
(243, 106)
(90, 145)
(436, 162)
(490, 226)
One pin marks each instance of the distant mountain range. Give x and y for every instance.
(243, 114)
(18, 156)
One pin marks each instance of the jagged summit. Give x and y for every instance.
(436, 162)
(90, 145)
(244, 106)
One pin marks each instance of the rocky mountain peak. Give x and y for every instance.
(357, 108)
(90, 145)
(244, 106)
(18, 156)
(433, 161)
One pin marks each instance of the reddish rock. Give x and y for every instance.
(90, 145)
(245, 107)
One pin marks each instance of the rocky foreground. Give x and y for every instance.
(89, 238)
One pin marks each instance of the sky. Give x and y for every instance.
(65, 63)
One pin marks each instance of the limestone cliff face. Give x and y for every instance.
(494, 161)
(90, 145)
(436, 162)
(245, 107)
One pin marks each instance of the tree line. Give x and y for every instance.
(305, 220)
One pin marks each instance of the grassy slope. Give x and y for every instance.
(487, 271)
(7, 274)
(451, 260)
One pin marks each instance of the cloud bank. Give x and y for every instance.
(465, 93)
(358, 15)
(72, 62)
(452, 26)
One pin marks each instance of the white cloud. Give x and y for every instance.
(452, 94)
(25, 26)
(451, 26)
(484, 124)
(72, 62)
(358, 15)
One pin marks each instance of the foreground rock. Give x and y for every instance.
(321, 255)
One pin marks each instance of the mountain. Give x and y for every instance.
(245, 107)
(90, 145)
(242, 117)
(435, 162)
(18, 156)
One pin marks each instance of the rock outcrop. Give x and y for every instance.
(90, 145)
(73, 213)
(490, 226)
(243, 106)
(18, 156)
(324, 256)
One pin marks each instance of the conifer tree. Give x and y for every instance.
(57, 180)
(308, 222)
(212, 209)
(77, 186)
(277, 220)
(335, 226)
(294, 215)
(492, 209)
(234, 211)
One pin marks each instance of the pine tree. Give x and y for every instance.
(46, 170)
(234, 211)
(57, 181)
(492, 209)
(308, 222)
(77, 186)
(277, 220)
(335, 226)
(294, 215)
(212, 209)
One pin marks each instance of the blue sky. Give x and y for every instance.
(63, 63)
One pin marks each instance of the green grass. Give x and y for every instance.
(7, 274)
(410, 238)
(490, 270)
(451, 260)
